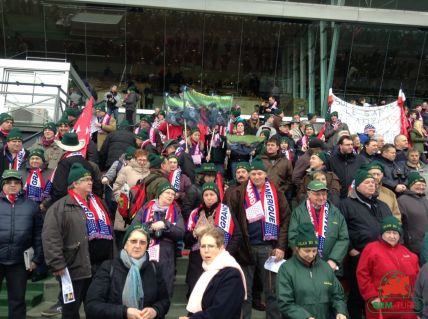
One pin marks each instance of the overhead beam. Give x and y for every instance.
(278, 9)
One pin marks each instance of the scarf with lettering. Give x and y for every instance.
(35, 187)
(17, 162)
(152, 136)
(175, 179)
(222, 219)
(269, 202)
(320, 224)
(98, 224)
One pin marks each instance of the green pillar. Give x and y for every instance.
(323, 63)
(311, 70)
(295, 71)
(289, 69)
(302, 94)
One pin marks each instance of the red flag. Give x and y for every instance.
(403, 119)
(83, 123)
(219, 182)
(330, 97)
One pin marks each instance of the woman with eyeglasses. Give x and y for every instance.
(129, 286)
(211, 213)
(163, 218)
(220, 290)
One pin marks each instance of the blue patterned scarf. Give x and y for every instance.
(133, 293)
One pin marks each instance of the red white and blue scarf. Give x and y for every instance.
(269, 201)
(17, 162)
(35, 187)
(320, 224)
(98, 224)
(175, 179)
(222, 219)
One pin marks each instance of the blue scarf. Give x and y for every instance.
(133, 294)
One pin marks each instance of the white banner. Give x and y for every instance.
(385, 118)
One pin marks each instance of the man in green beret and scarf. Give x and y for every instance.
(13, 156)
(6, 124)
(105, 124)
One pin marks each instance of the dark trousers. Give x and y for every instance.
(355, 301)
(111, 204)
(71, 310)
(16, 284)
(129, 116)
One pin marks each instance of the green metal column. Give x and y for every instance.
(311, 70)
(323, 63)
(289, 69)
(302, 94)
(295, 71)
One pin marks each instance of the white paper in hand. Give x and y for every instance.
(67, 287)
(272, 265)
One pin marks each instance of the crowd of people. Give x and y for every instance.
(344, 209)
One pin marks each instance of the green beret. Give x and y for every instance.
(101, 106)
(10, 173)
(257, 165)
(5, 117)
(155, 160)
(236, 113)
(309, 125)
(133, 227)
(413, 178)
(71, 111)
(63, 121)
(14, 134)
(77, 171)
(146, 118)
(206, 168)
(172, 155)
(130, 152)
(212, 187)
(124, 125)
(163, 113)
(391, 223)
(306, 236)
(243, 165)
(143, 134)
(334, 114)
(50, 126)
(194, 130)
(317, 186)
(322, 156)
(376, 165)
(37, 152)
(163, 187)
(361, 176)
(284, 123)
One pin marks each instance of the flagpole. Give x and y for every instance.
(185, 135)
(211, 143)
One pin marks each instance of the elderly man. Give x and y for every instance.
(242, 175)
(263, 215)
(414, 210)
(77, 235)
(21, 227)
(329, 224)
(13, 156)
(401, 144)
(105, 124)
(363, 213)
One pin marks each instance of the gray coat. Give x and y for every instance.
(414, 216)
(65, 239)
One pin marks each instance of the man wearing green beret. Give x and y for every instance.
(159, 174)
(304, 278)
(414, 207)
(331, 230)
(263, 215)
(332, 129)
(242, 174)
(72, 114)
(363, 213)
(21, 226)
(52, 151)
(146, 123)
(105, 124)
(77, 235)
(384, 194)
(6, 124)
(14, 155)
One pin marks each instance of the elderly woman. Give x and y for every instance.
(381, 258)
(220, 291)
(163, 218)
(317, 163)
(129, 286)
(306, 286)
(211, 213)
(52, 151)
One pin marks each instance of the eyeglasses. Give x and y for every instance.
(13, 182)
(136, 241)
(85, 179)
(208, 247)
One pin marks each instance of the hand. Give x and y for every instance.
(33, 266)
(253, 153)
(158, 225)
(148, 313)
(400, 188)
(42, 208)
(133, 313)
(278, 253)
(98, 124)
(332, 264)
(105, 181)
(182, 317)
(340, 316)
(59, 273)
(353, 252)
(228, 152)
(208, 158)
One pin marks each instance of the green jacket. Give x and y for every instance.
(305, 292)
(337, 238)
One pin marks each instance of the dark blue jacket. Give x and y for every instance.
(20, 229)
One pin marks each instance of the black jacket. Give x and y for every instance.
(60, 184)
(223, 297)
(366, 158)
(104, 296)
(344, 166)
(114, 146)
(187, 166)
(20, 229)
(394, 173)
(363, 218)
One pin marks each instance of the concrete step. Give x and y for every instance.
(35, 313)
